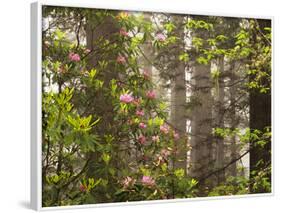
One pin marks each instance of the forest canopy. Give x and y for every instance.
(147, 106)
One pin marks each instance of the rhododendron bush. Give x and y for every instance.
(108, 129)
(126, 158)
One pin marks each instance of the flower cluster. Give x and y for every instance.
(74, 57)
(165, 128)
(123, 32)
(155, 138)
(146, 74)
(121, 59)
(151, 94)
(142, 125)
(165, 153)
(163, 156)
(176, 135)
(148, 181)
(83, 188)
(126, 98)
(160, 37)
(128, 181)
(142, 139)
(140, 112)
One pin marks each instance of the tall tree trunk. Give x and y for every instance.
(201, 146)
(94, 36)
(234, 152)
(178, 99)
(219, 120)
(147, 50)
(201, 154)
(260, 117)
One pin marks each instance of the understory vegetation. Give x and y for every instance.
(146, 106)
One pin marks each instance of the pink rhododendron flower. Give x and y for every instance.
(151, 94)
(140, 112)
(82, 188)
(137, 101)
(146, 74)
(142, 139)
(128, 181)
(164, 128)
(160, 37)
(74, 57)
(176, 136)
(165, 153)
(155, 138)
(126, 98)
(121, 59)
(147, 180)
(123, 32)
(142, 125)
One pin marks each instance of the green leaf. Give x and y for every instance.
(169, 27)
(92, 73)
(179, 173)
(106, 158)
(184, 57)
(221, 37)
(202, 60)
(60, 35)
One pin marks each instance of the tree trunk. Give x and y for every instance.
(219, 120)
(201, 129)
(260, 117)
(178, 99)
(104, 108)
(201, 154)
(234, 152)
(147, 50)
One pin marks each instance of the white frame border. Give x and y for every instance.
(36, 106)
(36, 99)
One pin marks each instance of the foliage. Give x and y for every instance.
(106, 135)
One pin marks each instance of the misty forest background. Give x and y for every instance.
(146, 106)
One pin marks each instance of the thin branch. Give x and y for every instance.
(78, 31)
(224, 167)
(259, 30)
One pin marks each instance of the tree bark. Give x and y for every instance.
(234, 152)
(219, 121)
(201, 155)
(201, 144)
(260, 117)
(178, 99)
(96, 33)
